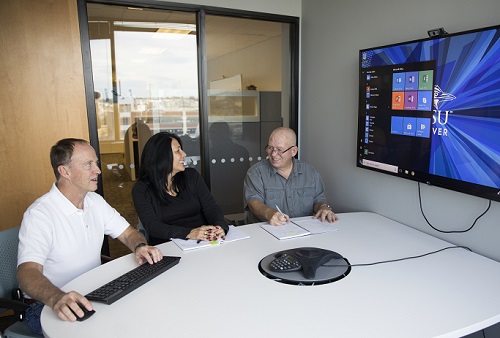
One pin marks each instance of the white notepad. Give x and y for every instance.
(289, 230)
(298, 228)
(315, 226)
(234, 234)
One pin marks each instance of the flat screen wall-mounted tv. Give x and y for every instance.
(429, 111)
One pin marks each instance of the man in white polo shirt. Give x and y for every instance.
(62, 233)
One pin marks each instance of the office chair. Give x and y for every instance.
(139, 133)
(8, 285)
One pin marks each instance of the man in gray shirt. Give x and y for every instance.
(283, 187)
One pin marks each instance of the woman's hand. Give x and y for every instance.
(207, 233)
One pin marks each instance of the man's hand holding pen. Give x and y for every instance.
(278, 217)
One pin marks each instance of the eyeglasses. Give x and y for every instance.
(278, 151)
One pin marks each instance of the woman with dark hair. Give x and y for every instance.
(173, 201)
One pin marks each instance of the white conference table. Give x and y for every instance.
(219, 292)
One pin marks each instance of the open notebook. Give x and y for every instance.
(298, 228)
(234, 234)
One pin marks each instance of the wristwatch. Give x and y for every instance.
(139, 245)
(327, 206)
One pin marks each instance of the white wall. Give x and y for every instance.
(260, 69)
(333, 32)
(280, 7)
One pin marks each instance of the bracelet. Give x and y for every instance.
(139, 245)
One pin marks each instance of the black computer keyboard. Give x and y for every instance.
(131, 280)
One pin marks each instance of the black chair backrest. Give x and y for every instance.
(8, 261)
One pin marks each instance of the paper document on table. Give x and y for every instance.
(234, 234)
(315, 226)
(289, 230)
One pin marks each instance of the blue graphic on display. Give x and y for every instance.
(397, 125)
(424, 100)
(466, 102)
(409, 126)
(398, 82)
(367, 58)
(423, 127)
(411, 82)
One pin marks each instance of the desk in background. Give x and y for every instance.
(219, 291)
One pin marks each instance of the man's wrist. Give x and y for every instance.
(139, 245)
(325, 206)
(270, 213)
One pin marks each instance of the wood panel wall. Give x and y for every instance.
(42, 97)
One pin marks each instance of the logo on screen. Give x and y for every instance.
(441, 117)
(440, 97)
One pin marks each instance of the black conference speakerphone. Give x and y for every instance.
(305, 266)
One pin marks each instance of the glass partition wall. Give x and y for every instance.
(221, 81)
(247, 98)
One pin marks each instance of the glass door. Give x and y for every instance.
(145, 77)
(248, 74)
(222, 86)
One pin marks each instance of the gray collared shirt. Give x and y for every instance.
(295, 196)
